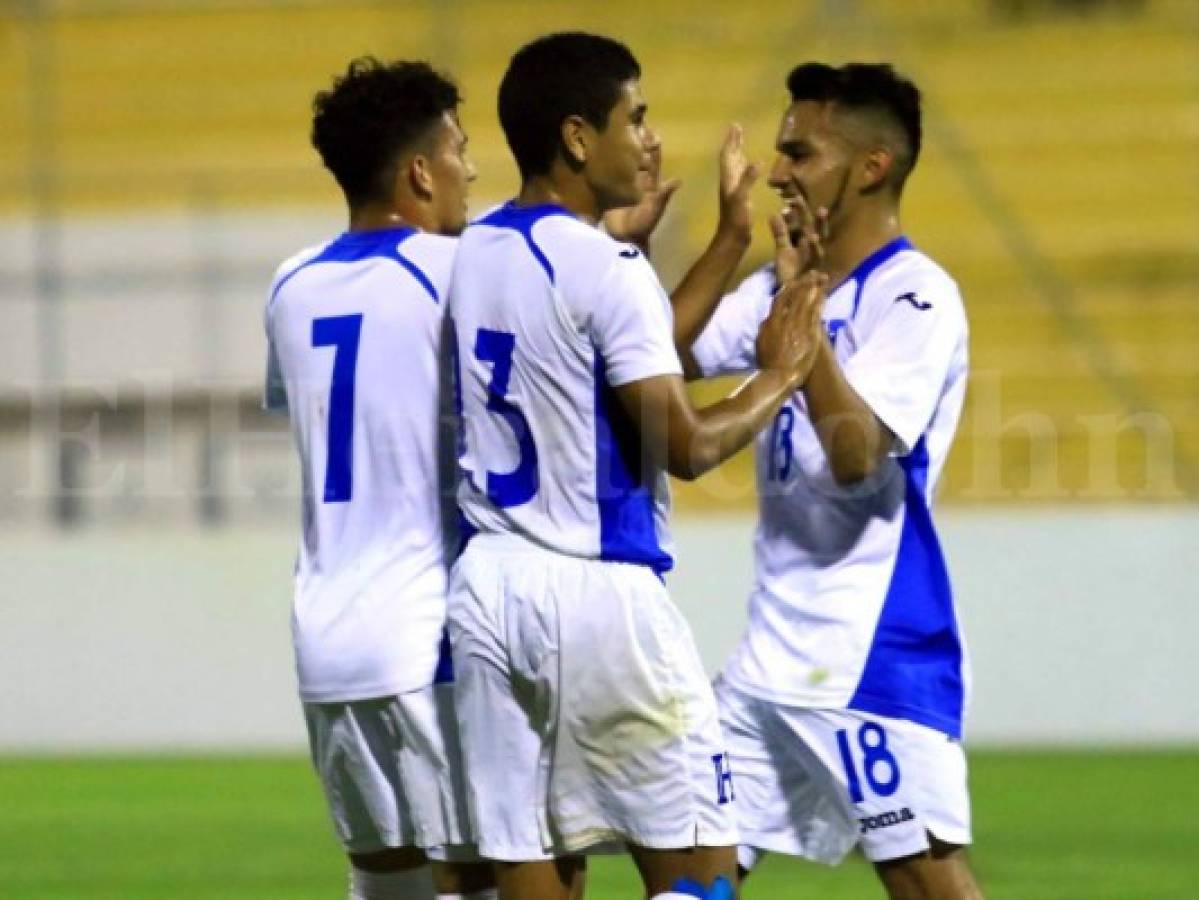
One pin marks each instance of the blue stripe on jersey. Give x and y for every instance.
(867, 266)
(628, 528)
(355, 246)
(522, 219)
(444, 673)
(914, 668)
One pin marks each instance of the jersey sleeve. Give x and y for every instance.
(903, 361)
(274, 394)
(630, 323)
(727, 344)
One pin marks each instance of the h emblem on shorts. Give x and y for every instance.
(724, 778)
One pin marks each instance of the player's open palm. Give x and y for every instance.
(737, 178)
(799, 234)
(790, 336)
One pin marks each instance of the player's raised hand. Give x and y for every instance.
(635, 224)
(807, 230)
(791, 335)
(788, 260)
(737, 177)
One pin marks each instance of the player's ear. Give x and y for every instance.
(418, 173)
(576, 140)
(875, 167)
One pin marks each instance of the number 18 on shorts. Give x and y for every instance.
(814, 782)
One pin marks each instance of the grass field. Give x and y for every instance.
(1049, 826)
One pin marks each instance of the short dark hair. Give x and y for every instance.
(371, 115)
(553, 77)
(872, 88)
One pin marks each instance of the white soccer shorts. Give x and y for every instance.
(586, 718)
(814, 782)
(391, 769)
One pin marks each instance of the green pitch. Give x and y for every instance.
(1049, 826)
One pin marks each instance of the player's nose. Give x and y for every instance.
(650, 140)
(780, 174)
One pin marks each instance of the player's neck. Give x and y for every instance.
(373, 217)
(855, 240)
(570, 193)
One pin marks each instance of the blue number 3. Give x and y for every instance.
(513, 488)
(341, 332)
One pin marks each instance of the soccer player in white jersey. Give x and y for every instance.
(586, 716)
(842, 705)
(354, 330)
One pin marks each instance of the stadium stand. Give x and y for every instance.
(1058, 182)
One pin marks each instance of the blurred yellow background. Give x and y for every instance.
(1059, 181)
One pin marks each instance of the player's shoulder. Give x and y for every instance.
(915, 278)
(576, 247)
(297, 261)
(289, 267)
(568, 248)
(433, 255)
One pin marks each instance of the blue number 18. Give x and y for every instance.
(875, 756)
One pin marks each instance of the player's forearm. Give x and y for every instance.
(699, 293)
(720, 430)
(854, 440)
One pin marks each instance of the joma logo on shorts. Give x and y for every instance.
(886, 820)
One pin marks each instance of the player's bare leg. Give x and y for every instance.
(473, 881)
(553, 879)
(662, 868)
(405, 873)
(941, 873)
(392, 873)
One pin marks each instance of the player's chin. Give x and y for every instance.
(628, 195)
(455, 226)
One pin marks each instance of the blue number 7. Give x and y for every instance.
(513, 488)
(341, 332)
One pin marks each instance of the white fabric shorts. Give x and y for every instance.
(814, 782)
(587, 721)
(392, 772)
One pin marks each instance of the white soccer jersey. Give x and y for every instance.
(852, 604)
(550, 314)
(354, 330)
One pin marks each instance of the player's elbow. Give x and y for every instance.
(693, 458)
(685, 468)
(851, 455)
(849, 475)
(691, 370)
(852, 465)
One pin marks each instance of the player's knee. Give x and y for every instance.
(462, 878)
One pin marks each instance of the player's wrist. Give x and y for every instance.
(783, 380)
(734, 231)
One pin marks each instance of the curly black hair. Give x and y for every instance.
(371, 115)
(553, 77)
(872, 89)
